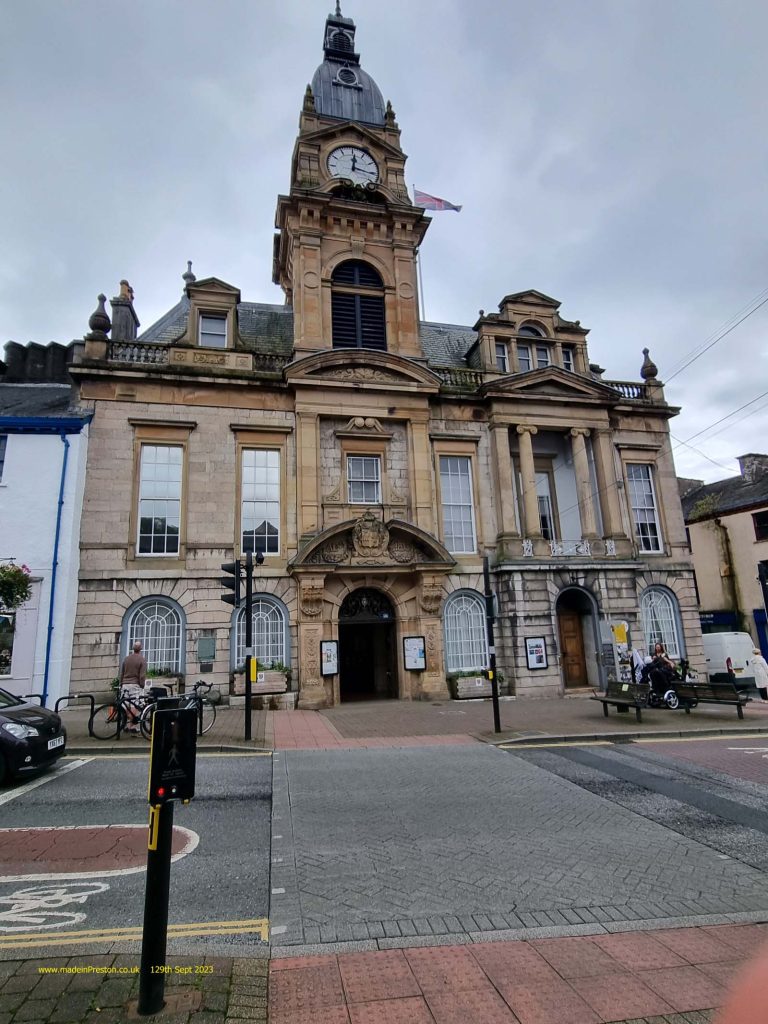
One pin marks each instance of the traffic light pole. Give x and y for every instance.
(248, 639)
(489, 620)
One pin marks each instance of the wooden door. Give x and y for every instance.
(572, 649)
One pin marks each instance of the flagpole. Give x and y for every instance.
(419, 285)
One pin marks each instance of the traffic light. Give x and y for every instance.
(231, 582)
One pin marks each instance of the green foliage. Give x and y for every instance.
(704, 508)
(15, 586)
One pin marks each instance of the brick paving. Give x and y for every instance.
(675, 976)
(423, 723)
(388, 847)
(234, 992)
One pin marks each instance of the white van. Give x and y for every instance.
(730, 651)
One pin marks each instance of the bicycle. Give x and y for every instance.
(109, 720)
(206, 710)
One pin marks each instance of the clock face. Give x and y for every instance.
(353, 163)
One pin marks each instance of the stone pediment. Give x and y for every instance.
(550, 382)
(362, 369)
(368, 542)
(352, 133)
(213, 284)
(531, 296)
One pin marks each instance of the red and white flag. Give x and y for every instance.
(428, 202)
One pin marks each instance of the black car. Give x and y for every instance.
(31, 737)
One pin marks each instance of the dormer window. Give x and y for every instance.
(213, 330)
(568, 361)
(524, 358)
(529, 331)
(542, 356)
(502, 362)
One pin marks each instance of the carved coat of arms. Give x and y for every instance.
(370, 538)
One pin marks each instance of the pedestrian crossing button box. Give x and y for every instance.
(173, 755)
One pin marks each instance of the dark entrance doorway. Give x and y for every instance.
(367, 667)
(576, 623)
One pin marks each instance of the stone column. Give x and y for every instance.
(606, 482)
(579, 437)
(307, 474)
(528, 474)
(421, 455)
(505, 502)
(312, 693)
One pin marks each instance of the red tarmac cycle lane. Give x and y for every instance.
(82, 850)
(742, 757)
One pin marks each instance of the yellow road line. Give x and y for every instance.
(25, 940)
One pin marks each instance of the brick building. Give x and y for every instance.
(374, 458)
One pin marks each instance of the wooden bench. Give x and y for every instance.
(696, 692)
(624, 695)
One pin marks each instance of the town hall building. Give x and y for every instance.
(373, 458)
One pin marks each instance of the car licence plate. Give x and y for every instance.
(58, 742)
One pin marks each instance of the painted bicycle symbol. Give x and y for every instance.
(38, 906)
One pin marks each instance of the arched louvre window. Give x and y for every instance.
(466, 645)
(268, 633)
(156, 624)
(357, 307)
(661, 618)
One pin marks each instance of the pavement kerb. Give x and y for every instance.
(132, 750)
(619, 737)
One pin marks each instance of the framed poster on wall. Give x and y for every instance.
(536, 652)
(329, 657)
(414, 653)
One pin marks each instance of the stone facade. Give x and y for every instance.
(403, 453)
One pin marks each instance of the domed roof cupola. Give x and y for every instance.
(340, 86)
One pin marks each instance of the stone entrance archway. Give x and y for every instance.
(367, 662)
(577, 624)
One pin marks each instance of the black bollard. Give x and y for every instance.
(155, 935)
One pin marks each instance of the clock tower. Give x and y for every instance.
(348, 234)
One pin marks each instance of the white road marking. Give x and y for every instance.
(6, 798)
(191, 839)
(33, 906)
(752, 750)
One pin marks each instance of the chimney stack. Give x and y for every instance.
(753, 466)
(125, 323)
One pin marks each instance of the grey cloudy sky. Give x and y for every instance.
(611, 153)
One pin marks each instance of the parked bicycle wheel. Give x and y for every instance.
(208, 713)
(146, 719)
(106, 719)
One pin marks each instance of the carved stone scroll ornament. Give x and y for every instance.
(333, 552)
(370, 538)
(431, 598)
(361, 375)
(311, 599)
(402, 551)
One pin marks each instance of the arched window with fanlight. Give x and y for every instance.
(158, 624)
(532, 354)
(357, 307)
(466, 645)
(661, 621)
(270, 643)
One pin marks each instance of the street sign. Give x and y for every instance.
(172, 758)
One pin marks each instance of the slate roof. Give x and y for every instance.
(263, 327)
(729, 495)
(37, 400)
(266, 327)
(446, 344)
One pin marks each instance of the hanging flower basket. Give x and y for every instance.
(15, 587)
